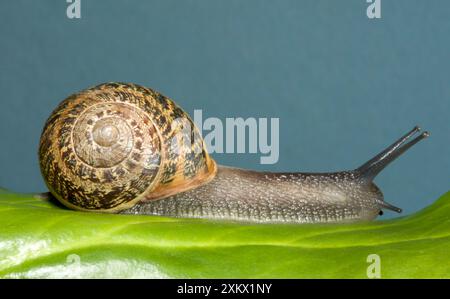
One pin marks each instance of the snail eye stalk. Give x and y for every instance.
(374, 166)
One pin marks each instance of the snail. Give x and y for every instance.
(114, 148)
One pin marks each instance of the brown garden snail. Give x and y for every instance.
(113, 148)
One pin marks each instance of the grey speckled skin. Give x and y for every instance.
(244, 195)
(237, 194)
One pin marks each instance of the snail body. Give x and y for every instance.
(124, 148)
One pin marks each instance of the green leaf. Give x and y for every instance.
(41, 239)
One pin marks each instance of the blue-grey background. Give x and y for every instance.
(342, 85)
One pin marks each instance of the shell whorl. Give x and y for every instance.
(110, 146)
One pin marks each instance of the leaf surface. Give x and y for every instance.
(41, 239)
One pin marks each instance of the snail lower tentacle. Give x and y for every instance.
(120, 148)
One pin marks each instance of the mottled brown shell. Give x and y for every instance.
(110, 146)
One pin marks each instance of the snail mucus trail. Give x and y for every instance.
(110, 149)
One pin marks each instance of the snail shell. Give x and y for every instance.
(110, 146)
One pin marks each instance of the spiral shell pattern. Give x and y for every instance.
(107, 147)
